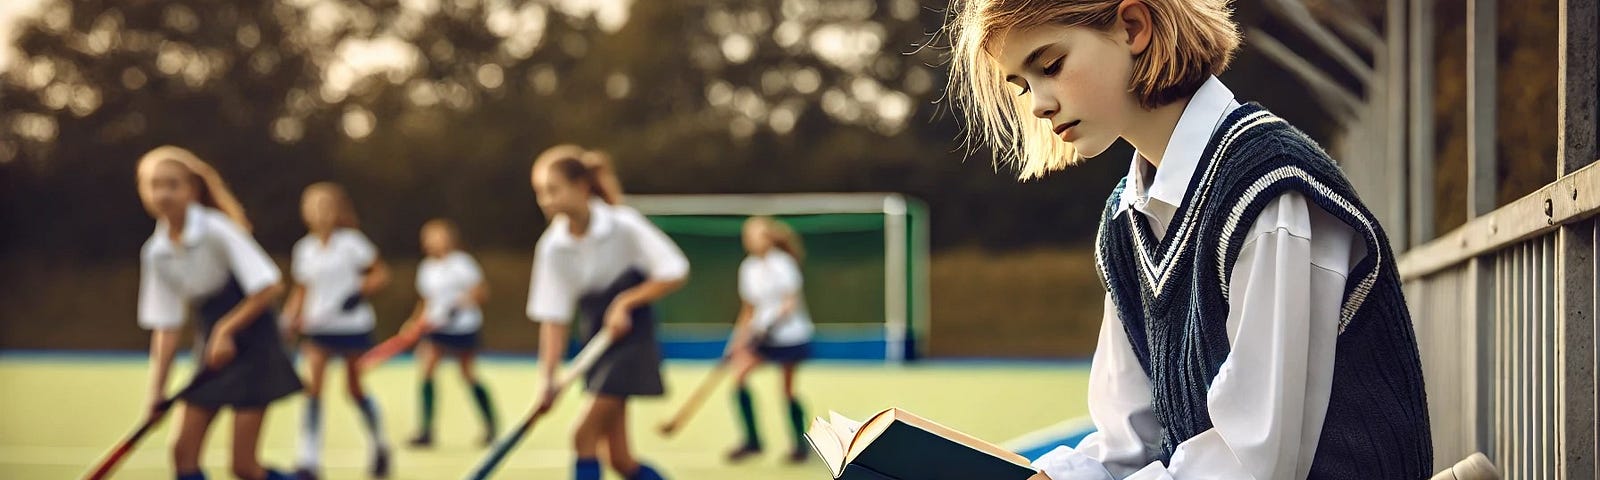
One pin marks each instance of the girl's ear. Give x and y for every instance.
(1133, 18)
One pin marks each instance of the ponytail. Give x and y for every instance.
(592, 167)
(210, 190)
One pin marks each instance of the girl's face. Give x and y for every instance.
(172, 188)
(320, 210)
(756, 241)
(437, 241)
(1077, 79)
(557, 194)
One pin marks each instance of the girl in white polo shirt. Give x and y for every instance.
(335, 269)
(451, 287)
(773, 325)
(606, 263)
(201, 258)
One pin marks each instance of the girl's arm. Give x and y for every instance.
(552, 347)
(619, 318)
(376, 277)
(221, 348)
(163, 346)
(740, 338)
(293, 307)
(479, 293)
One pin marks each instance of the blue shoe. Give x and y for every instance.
(646, 473)
(192, 476)
(586, 469)
(277, 475)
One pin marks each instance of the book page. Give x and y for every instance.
(867, 432)
(828, 444)
(842, 424)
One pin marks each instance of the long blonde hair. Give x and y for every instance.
(591, 166)
(1191, 40)
(781, 235)
(210, 190)
(344, 215)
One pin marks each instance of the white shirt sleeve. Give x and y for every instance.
(553, 288)
(160, 305)
(660, 257)
(1126, 430)
(361, 250)
(1270, 397)
(467, 274)
(299, 261)
(787, 271)
(249, 263)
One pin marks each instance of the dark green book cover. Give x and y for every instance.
(898, 445)
(857, 472)
(906, 452)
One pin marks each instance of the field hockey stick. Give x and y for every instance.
(695, 400)
(109, 462)
(382, 352)
(580, 365)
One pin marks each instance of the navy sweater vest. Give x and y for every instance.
(1172, 298)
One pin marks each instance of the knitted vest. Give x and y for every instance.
(1172, 298)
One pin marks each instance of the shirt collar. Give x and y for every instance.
(193, 229)
(1205, 112)
(600, 224)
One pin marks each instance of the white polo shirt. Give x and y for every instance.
(331, 272)
(766, 282)
(565, 267)
(212, 249)
(445, 285)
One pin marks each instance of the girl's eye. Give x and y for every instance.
(1054, 67)
(1025, 90)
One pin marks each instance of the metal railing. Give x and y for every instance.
(1504, 306)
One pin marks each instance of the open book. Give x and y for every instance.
(896, 445)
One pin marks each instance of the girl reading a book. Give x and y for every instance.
(1255, 325)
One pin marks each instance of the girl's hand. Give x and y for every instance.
(220, 350)
(1039, 476)
(547, 399)
(156, 397)
(619, 319)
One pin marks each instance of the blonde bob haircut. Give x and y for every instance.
(1190, 41)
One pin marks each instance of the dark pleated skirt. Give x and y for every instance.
(260, 371)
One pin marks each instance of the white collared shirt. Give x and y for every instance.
(331, 272)
(445, 285)
(767, 282)
(619, 238)
(211, 250)
(1268, 401)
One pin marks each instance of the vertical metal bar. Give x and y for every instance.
(1519, 342)
(1502, 374)
(1577, 132)
(1576, 71)
(1574, 292)
(1537, 342)
(1481, 194)
(1557, 389)
(1421, 127)
(1480, 107)
(1530, 371)
(1395, 119)
(1548, 350)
